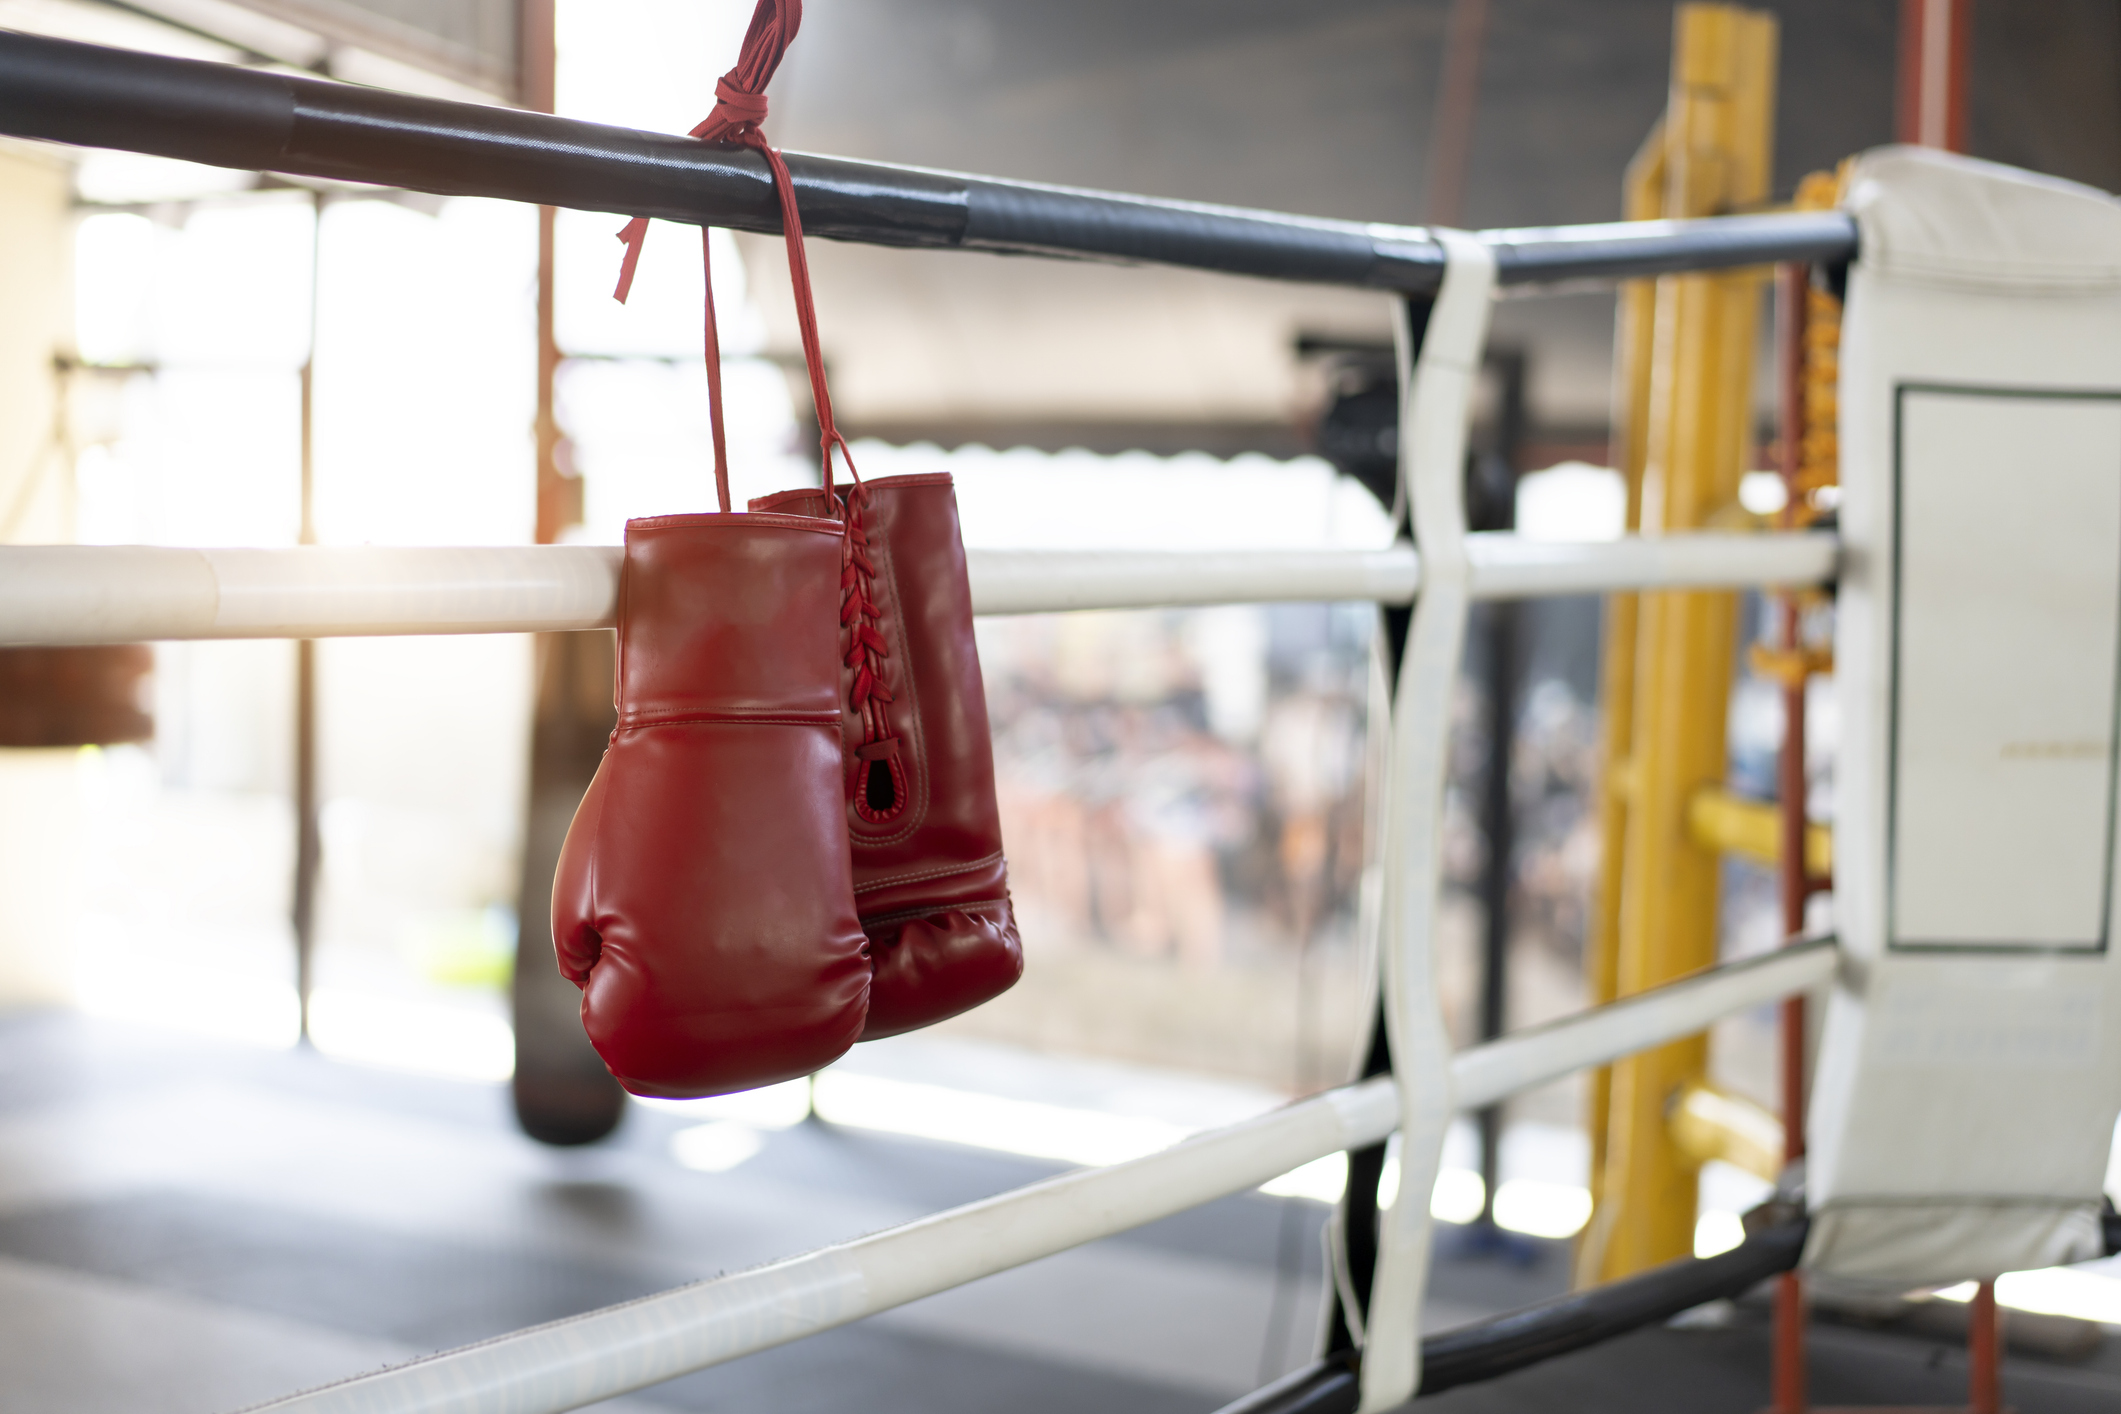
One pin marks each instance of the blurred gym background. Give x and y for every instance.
(185, 348)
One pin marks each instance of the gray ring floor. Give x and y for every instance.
(188, 1227)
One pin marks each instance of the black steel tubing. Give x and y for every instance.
(226, 116)
(1486, 1349)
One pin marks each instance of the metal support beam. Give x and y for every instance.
(561, 1090)
(1931, 103)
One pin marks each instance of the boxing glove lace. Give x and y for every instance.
(930, 879)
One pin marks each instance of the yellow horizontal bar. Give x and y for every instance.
(1752, 829)
(1711, 1123)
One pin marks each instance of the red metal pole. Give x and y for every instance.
(1933, 63)
(1984, 1384)
(1457, 98)
(1791, 287)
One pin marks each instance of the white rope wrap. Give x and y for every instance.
(1436, 402)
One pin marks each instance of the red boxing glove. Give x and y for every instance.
(703, 901)
(929, 877)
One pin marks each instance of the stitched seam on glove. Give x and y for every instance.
(908, 915)
(737, 520)
(734, 719)
(917, 478)
(915, 876)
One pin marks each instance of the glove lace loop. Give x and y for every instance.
(879, 785)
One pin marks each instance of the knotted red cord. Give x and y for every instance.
(740, 106)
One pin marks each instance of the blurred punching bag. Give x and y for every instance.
(563, 1094)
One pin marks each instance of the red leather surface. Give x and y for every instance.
(703, 900)
(930, 879)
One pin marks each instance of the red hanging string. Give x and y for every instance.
(740, 106)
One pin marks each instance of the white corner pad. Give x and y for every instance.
(1436, 400)
(1875, 1243)
(1962, 1106)
(1948, 221)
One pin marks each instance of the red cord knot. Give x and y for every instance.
(736, 111)
(739, 106)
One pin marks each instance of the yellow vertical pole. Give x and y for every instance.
(1643, 200)
(1697, 434)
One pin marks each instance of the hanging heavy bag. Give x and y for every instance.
(929, 876)
(704, 901)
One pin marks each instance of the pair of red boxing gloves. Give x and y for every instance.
(792, 842)
(758, 878)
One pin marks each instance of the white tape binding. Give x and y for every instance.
(1436, 402)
